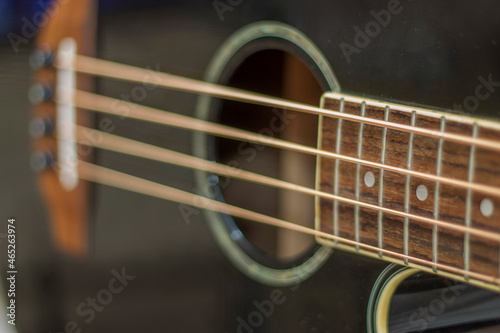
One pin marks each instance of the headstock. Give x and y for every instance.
(67, 201)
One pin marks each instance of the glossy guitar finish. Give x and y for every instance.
(428, 54)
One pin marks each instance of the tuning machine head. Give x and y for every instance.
(41, 57)
(41, 160)
(40, 92)
(40, 126)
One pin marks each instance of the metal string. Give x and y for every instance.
(90, 101)
(105, 176)
(104, 68)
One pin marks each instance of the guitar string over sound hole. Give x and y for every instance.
(277, 73)
(274, 59)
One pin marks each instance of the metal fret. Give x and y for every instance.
(406, 231)
(422, 228)
(338, 144)
(468, 201)
(437, 192)
(380, 214)
(358, 176)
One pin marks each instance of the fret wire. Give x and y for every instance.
(103, 68)
(99, 103)
(380, 214)
(468, 202)
(338, 145)
(109, 177)
(437, 193)
(421, 111)
(358, 178)
(406, 231)
(317, 173)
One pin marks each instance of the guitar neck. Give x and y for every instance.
(427, 184)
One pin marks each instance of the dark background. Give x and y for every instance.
(431, 55)
(141, 237)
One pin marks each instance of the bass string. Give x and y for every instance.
(90, 101)
(139, 149)
(104, 68)
(105, 176)
(108, 69)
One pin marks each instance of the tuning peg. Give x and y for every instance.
(213, 180)
(40, 126)
(41, 57)
(39, 92)
(41, 160)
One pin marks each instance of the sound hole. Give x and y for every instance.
(275, 73)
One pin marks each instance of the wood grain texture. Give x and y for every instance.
(68, 210)
(484, 254)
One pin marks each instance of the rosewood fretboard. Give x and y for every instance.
(459, 205)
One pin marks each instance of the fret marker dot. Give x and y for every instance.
(486, 207)
(422, 192)
(369, 179)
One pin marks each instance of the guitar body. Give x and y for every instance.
(187, 277)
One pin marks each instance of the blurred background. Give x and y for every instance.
(182, 282)
(141, 236)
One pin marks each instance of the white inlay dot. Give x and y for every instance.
(422, 192)
(486, 207)
(369, 179)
